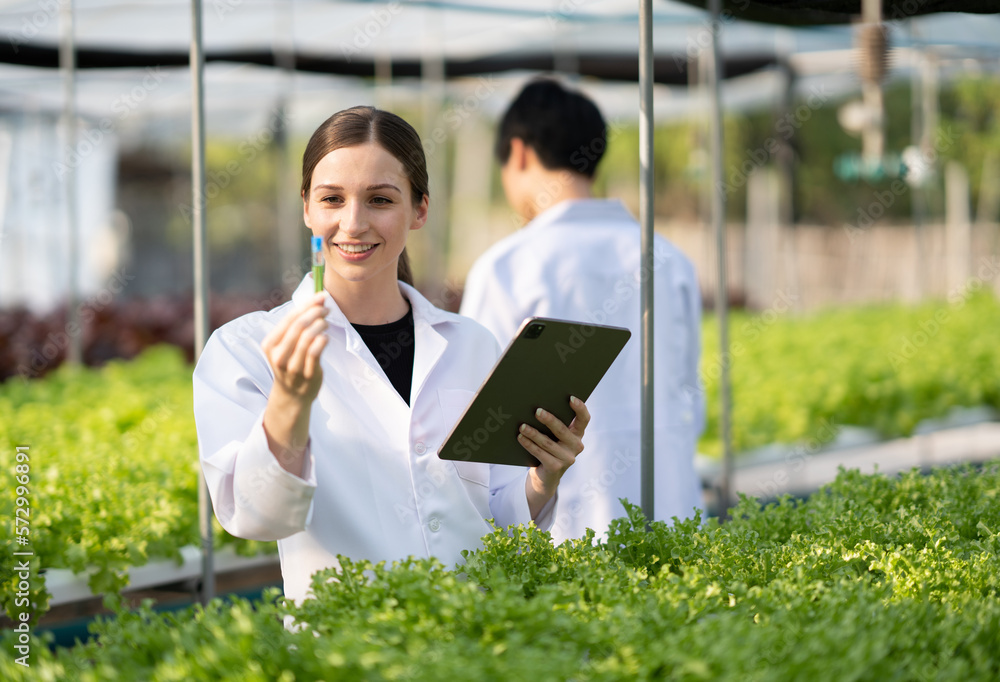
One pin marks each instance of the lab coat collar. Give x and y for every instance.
(422, 308)
(581, 211)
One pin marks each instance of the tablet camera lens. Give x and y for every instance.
(534, 330)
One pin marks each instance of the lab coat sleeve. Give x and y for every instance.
(509, 501)
(253, 496)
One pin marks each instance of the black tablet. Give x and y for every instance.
(547, 362)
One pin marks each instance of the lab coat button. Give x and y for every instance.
(434, 524)
(419, 447)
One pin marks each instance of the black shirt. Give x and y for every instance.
(392, 346)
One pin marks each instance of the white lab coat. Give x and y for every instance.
(373, 486)
(580, 260)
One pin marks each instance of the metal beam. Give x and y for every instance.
(647, 492)
(67, 64)
(200, 271)
(718, 208)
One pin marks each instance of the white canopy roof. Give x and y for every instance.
(409, 29)
(356, 33)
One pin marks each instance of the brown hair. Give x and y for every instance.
(360, 125)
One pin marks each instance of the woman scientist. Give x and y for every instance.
(319, 421)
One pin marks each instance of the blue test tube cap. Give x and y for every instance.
(317, 244)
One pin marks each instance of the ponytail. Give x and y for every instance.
(403, 273)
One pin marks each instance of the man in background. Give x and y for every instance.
(578, 258)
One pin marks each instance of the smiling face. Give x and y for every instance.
(360, 203)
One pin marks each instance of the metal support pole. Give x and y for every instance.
(200, 272)
(67, 63)
(722, 288)
(916, 138)
(434, 251)
(925, 198)
(291, 234)
(647, 498)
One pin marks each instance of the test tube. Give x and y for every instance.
(317, 259)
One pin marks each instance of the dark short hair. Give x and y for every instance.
(564, 127)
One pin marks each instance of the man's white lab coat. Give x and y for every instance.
(580, 260)
(372, 486)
